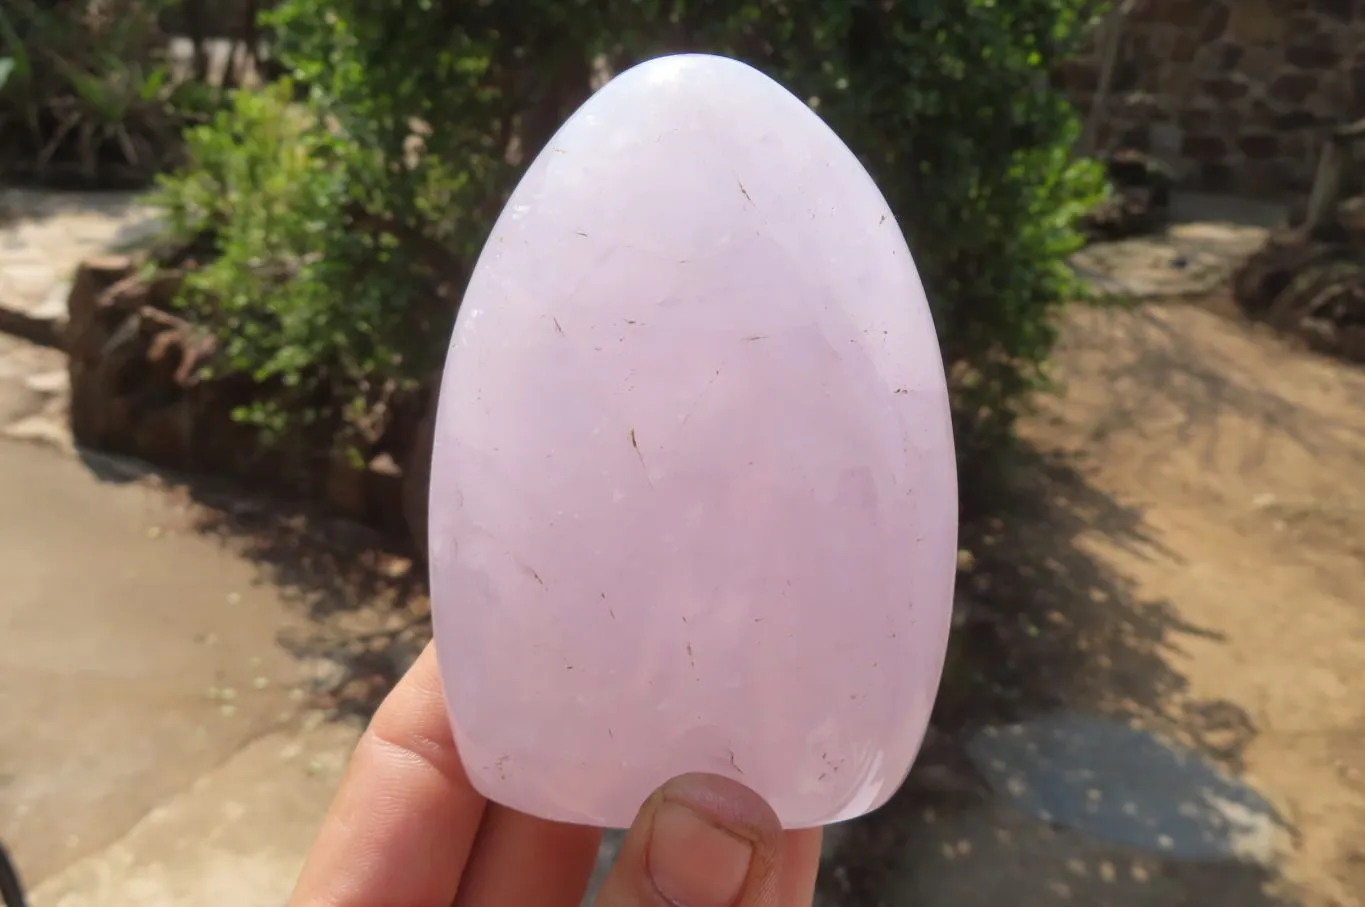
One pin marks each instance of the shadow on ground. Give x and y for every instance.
(137, 225)
(1044, 631)
(364, 594)
(1051, 645)
(1237, 414)
(1163, 368)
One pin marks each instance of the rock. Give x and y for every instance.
(1313, 289)
(129, 365)
(1254, 21)
(1204, 148)
(1295, 121)
(1195, 121)
(1317, 52)
(1079, 75)
(371, 494)
(1260, 147)
(1184, 13)
(93, 277)
(687, 466)
(345, 487)
(1268, 270)
(1293, 87)
(54, 382)
(1217, 176)
(1229, 55)
(90, 338)
(1186, 46)
(1141, 202)
(163, 435)
(384, 501)
(1215, 23)
(1227, 88)
(1351, 217)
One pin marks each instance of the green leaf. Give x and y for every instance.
(151, 87)
(20, 66)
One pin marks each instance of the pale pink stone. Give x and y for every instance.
(693, 501)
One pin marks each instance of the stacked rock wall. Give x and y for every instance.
(1236, 95)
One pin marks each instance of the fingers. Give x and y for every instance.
(404, 831)
(800, 864)
(403, 823)
(706, 841)
(521, 860)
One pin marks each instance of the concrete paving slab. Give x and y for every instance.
(135, 656)
(236, 838)
(44, 235)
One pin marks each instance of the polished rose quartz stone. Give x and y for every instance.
(693, 499)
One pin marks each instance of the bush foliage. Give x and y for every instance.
(88, 95)
(348, 204)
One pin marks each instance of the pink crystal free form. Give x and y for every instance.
(693, 500)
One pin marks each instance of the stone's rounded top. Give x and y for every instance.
(693, 497)
(688, 90)
(684, 69)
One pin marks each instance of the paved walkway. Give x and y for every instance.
(44, 235)
(156, 750)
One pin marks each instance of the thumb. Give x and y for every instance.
(699, 841)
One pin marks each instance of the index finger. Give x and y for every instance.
(402, 825)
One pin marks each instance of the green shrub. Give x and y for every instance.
(344, 255)
(348, 206)
(86, 94)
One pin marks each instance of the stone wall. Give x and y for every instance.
(1233, 94)
(136, 389)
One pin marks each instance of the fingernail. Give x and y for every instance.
(695, 863)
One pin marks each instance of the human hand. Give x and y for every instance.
(407, 830)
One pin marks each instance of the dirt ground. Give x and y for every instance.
(1242, 461)
(1179, 544)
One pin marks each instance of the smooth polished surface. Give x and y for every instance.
(693, 499)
